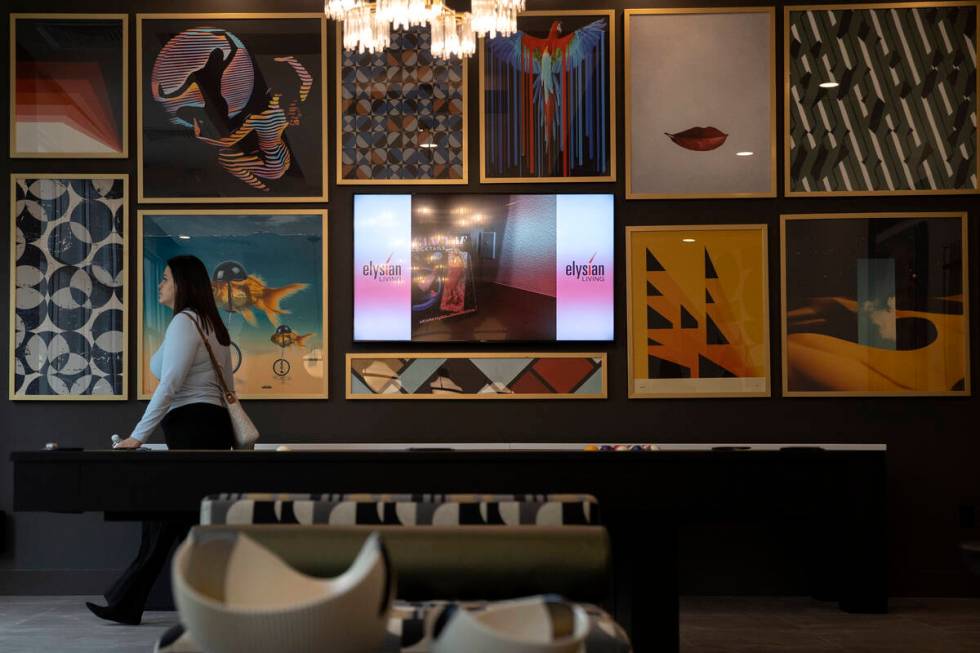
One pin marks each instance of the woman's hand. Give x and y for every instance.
(128, 443)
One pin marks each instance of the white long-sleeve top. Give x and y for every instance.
(185, 372)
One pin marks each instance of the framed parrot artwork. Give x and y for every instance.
(548, 99)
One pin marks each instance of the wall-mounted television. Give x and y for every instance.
(480, 268)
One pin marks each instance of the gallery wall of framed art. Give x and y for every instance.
(647, 105)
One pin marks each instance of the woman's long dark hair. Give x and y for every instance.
(193, 290)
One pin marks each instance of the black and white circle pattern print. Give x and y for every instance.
(70, 283)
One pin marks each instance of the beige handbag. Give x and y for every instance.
(246, 435)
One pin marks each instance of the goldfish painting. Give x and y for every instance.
(236, 291)
(286, 337)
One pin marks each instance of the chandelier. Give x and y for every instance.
(368, 25)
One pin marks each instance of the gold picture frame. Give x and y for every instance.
(716, 387)
(142, 198)
(124, 106)
(788, 10)
(12, 395)
(841, 357)
(610, 15)
(773, 132)
(393, 383)
(141, 393)
(338, 135)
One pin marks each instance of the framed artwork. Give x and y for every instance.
(232, 107)
(698, 311)
(881, 99)
(69, 86)
(476, 376)
(875, 304)
(700, 102)
(548, 99)
(269, 279)
(402, 114)
(68, 287)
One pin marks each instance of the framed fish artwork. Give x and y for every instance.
(548, 99)
(700, 103)
(231, 108)
(69, 86)
(269, 279)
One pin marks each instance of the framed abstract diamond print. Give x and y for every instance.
(402, 116)
(881, 99)
(68, 287)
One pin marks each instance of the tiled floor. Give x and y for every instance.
(795, 625)
(708, 625)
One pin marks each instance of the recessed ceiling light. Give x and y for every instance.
(744, 153)
(688, 240)
(183, 237)
(829, 85)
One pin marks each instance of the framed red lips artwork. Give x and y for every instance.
(700, 103)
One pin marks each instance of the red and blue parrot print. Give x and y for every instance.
(547, 103)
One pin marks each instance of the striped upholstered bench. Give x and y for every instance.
(402, 509)
(452, 547)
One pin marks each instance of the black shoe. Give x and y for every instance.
(110, 614)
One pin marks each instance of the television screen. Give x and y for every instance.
(475, 268)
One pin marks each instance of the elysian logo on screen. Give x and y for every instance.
(386, 272)
(587, 272)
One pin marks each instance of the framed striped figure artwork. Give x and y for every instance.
(231, 108)
(881, 99)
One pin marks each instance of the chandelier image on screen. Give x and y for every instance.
(476, 268)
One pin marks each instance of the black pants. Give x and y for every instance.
(194, 426)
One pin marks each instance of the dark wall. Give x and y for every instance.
(934, 449)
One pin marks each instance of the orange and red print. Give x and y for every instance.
(70, 91)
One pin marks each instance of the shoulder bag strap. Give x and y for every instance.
(229, 395)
